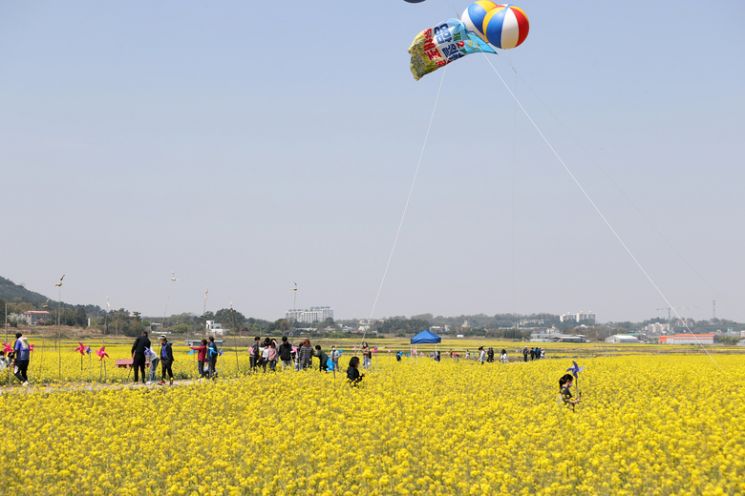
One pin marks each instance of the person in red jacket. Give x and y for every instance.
(201, 357)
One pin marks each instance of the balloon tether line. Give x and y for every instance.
(595, 207)
(408, 200)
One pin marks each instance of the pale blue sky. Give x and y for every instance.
(245, 145)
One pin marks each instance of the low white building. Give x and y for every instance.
(212, 327)
(622, 338)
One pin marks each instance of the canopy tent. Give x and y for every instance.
(426, 337)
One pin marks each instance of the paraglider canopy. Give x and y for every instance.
(426, 337)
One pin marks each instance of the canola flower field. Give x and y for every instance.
(647, 424)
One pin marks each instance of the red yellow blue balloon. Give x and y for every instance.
(506, 26)
(474, 15)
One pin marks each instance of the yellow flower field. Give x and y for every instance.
(646, 425)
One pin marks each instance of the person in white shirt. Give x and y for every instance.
(482, 355)
(152, 359)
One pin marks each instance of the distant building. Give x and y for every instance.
(580, 317)
(310, 315)
(686, 338)
(657, 328)
(622, 338)
(554, 336)
(36, 317)
(212, 327)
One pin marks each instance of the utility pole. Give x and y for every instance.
(59, 327)
(294, 308)
(713, 309)
(5, 324)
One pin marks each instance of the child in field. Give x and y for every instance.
(565, 385)
(353, 372)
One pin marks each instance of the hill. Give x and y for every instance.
(15, 293)
(18, 297)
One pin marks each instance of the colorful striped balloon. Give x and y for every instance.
(473, 17)
(506, 26)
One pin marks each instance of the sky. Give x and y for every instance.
(247, 145)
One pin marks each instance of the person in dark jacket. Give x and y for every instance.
(285, 353)
(525, 354)
(212, 354)
(21, 350)
(138, 355)
(323, 357)
(166, 360)
(353, 372)
(565, 386)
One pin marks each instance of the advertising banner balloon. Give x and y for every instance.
(442, 44)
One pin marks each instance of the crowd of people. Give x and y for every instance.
(263, 355)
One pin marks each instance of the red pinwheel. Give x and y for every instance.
(81, 348)
(102, 353)
(7, 348)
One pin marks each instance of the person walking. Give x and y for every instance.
(482, 355)
(212, 354)
(152, 359)
(166, 361)
(253, 354)
(304, 355)
(503, 356)
(366, 356)
(272, 356)
(138, 355)
(525, 354)
(285, 353)
(22, 353)
(264, 354)
(490, 355)
(335, 354)
(201, 357)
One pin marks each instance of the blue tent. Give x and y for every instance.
(426, 337)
